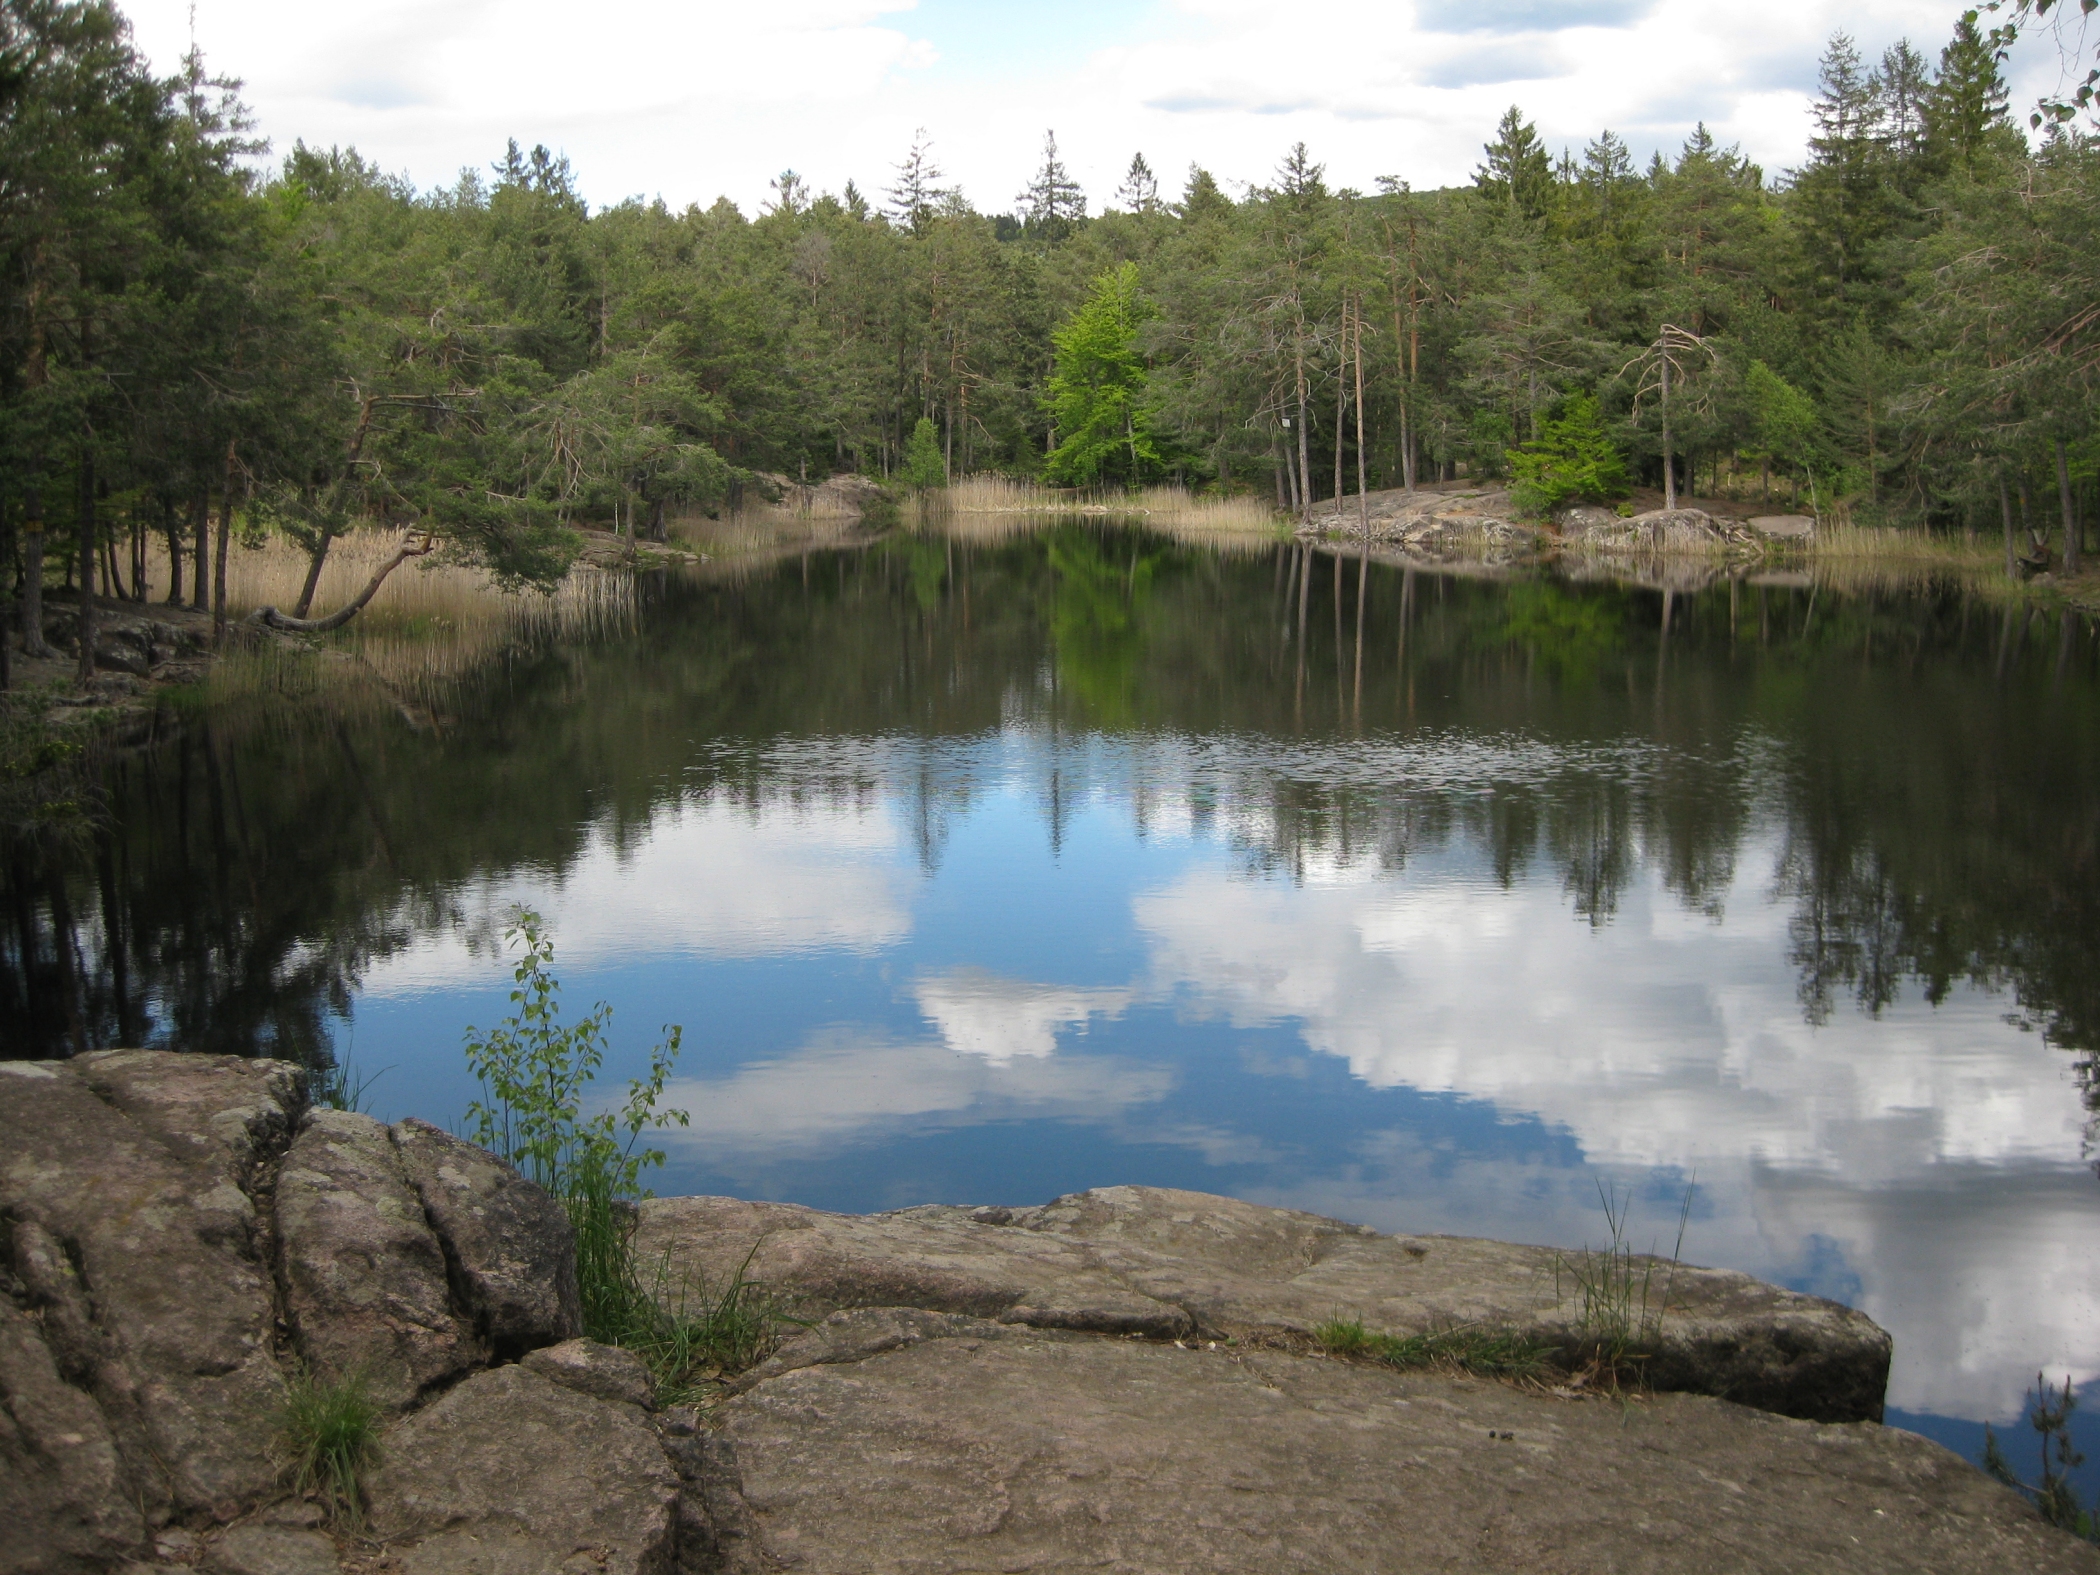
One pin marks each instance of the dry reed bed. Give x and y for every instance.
(1159, 506)
(430, 622)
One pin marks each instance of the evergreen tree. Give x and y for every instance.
(1051, 203)
(917, 194)
(1518, 171)
(922, 466)
(1842, 193)
(1965, 109)
(1573, 459)
(1140, 190)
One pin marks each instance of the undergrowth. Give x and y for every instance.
(1487, 1351)
(1622, 1303)
(328, 1434)
(2049, 1414)
(535, 1078)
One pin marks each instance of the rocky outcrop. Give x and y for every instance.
(1118, 1379)
(1042, 1450)
(179, 1235)
(837, 497)
(1470, 523)
(1167, 1264)
(365, 1289)
(1668, 531)
(1784, 527)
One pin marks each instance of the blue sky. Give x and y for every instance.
(699, 100)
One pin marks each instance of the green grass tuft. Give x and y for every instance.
(329, 1434)
(1487, 1352)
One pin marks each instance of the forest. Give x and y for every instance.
(203, 347)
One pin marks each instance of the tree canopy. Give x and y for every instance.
(197, 343)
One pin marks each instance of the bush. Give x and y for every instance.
(923, 466)
(1572, 460)
(535, 1075)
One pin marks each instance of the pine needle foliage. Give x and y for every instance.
(1573, 460)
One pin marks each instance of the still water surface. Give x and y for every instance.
(983, 868)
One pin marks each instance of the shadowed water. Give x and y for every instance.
(981, 870)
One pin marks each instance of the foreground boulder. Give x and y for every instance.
(1017, 1449)
(1117, 1380)
(179, 1237)
(1163, 1263)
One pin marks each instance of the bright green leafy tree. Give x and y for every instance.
(1096, 394)
(1573, 459)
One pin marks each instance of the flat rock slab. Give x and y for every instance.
(1045, 1451)
(1784, 526)
(510, 1474)
(1165, 1263)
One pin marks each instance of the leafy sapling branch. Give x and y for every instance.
(536, 1076)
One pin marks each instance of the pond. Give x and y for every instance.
(985, 864)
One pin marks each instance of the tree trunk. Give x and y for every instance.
(1669, 466)
(342, 615)
(1304, 442)
(32, 611)
(170, 524)
(1341, 410)
(84, 670)
(218, 566)
(1363, 502)
(2063, 492)
(7, 604)
(200, 529)
(313, 574)
(2012, 564)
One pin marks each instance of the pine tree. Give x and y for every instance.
(1518, 171)
(1052, 202)
(1966, 107)
(1140, 190)
(916, 197)
(1842, 193)
(1906, 87)
(1201, 198)
(923, 465)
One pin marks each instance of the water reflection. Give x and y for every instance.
(987, 869)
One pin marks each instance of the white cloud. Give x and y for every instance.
(694, 100)
(710, 878)
(846, 1087)
(1001, 1019)
(1937, 1151)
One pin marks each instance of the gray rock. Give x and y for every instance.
(1581, 517)
(1162, 1262)
(1029, 1452)
(1784, 526)
(1668, 530)
(273, 1550)
(509, 1473)
(593, 1369)
(511, 1250)
(854, 1334)
(123, 1175)
(365, 1282)
(65, 1504)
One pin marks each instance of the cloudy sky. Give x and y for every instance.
(690, 101)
